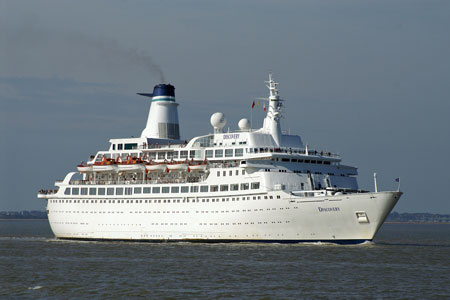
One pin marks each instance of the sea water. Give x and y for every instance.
(405, 261)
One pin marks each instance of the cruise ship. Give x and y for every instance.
(249, 185)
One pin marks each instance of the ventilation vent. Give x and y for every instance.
(361, 216)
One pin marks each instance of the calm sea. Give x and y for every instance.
(404, 262)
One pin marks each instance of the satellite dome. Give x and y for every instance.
(244, 124)
(218, 121)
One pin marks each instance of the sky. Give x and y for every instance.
(368, 79)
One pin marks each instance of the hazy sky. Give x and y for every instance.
(367, 79)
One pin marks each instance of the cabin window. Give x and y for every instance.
(152, 155)
(67, 191)
(224, 173)
(255, 185)
(101, 191)
(208, 153)
(214, 188)
(110, 191)
(234, 187)
(185, 189)
(326, 162)
(137, 190)
(119, 146)
(203, 189)
(285, 159)
(175, 154)
(302, 186)
(92, 191)
(307, 161)
(119, 191)
(194, 189)
(237, 172)
(230, 173)
(156, 190)
(313, 161)
(84, 191)
(161, 155)
(128, 191)
(165, 189)
(243, 172)
(218, 173)
(131, 146)
(183, 154)
(175, 189)
(192, 154)
(114, 146)
(218, 153)
(228, 152)
(244, 186)
(146, 190)
(224, 188)
(294, 160)
(319, 162)
(169, 155)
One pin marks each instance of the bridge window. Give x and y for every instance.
(131, 146)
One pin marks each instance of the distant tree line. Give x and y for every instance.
(393, 217)
(417, 218)
(24, 214)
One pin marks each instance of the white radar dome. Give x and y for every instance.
(244, 124)
(218, 121)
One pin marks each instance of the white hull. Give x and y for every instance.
(289, 219)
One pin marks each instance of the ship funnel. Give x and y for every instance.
(162, 122)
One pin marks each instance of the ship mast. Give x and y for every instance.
(272, 119)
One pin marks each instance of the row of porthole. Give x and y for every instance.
(217, 200)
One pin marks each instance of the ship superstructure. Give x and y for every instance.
(246, 185)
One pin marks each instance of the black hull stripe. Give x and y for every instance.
(212, 241)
